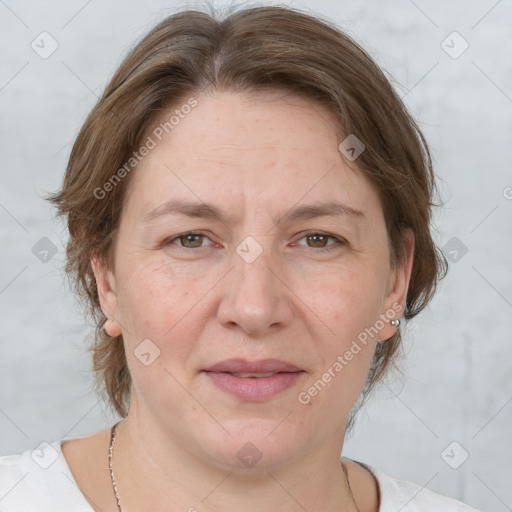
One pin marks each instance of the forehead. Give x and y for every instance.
(270, 149)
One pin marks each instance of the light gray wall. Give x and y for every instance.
(457, 384)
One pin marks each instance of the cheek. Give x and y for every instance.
(347, 309)
(161, 325)
(347, 300)
(154, 300)
(348, 305)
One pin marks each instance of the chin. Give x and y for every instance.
(254, 445)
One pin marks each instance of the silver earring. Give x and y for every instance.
(395, 322)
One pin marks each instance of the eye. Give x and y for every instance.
(319, 241)
(314, 240)
(188, 240)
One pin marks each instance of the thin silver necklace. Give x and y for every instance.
(110, 454)
(116, 492)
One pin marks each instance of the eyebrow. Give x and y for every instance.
(206, 211)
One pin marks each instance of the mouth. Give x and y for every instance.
(254, 380)
(254, 375)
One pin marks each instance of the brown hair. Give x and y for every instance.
(249, 50)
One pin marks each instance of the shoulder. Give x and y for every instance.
(39, 480)
(396, 494)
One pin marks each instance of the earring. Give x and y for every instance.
(395, 322)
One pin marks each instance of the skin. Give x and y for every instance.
(255, 156)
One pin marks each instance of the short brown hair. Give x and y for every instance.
(249, 50)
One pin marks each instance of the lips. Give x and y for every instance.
(253, 380)
(254, 375)
(262, 366)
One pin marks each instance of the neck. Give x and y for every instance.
(153, 473)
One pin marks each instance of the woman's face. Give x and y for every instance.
(249, 292)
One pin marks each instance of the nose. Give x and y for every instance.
(255, 294)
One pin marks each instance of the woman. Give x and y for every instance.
(249, 215)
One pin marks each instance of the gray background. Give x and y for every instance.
(456, 384)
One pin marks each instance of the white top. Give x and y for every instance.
(40, 480)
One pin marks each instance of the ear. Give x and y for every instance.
(105, 283)
(398, 285)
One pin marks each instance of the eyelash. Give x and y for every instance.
(339, 241)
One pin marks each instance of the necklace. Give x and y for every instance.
(110, 453)
(116, 492)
